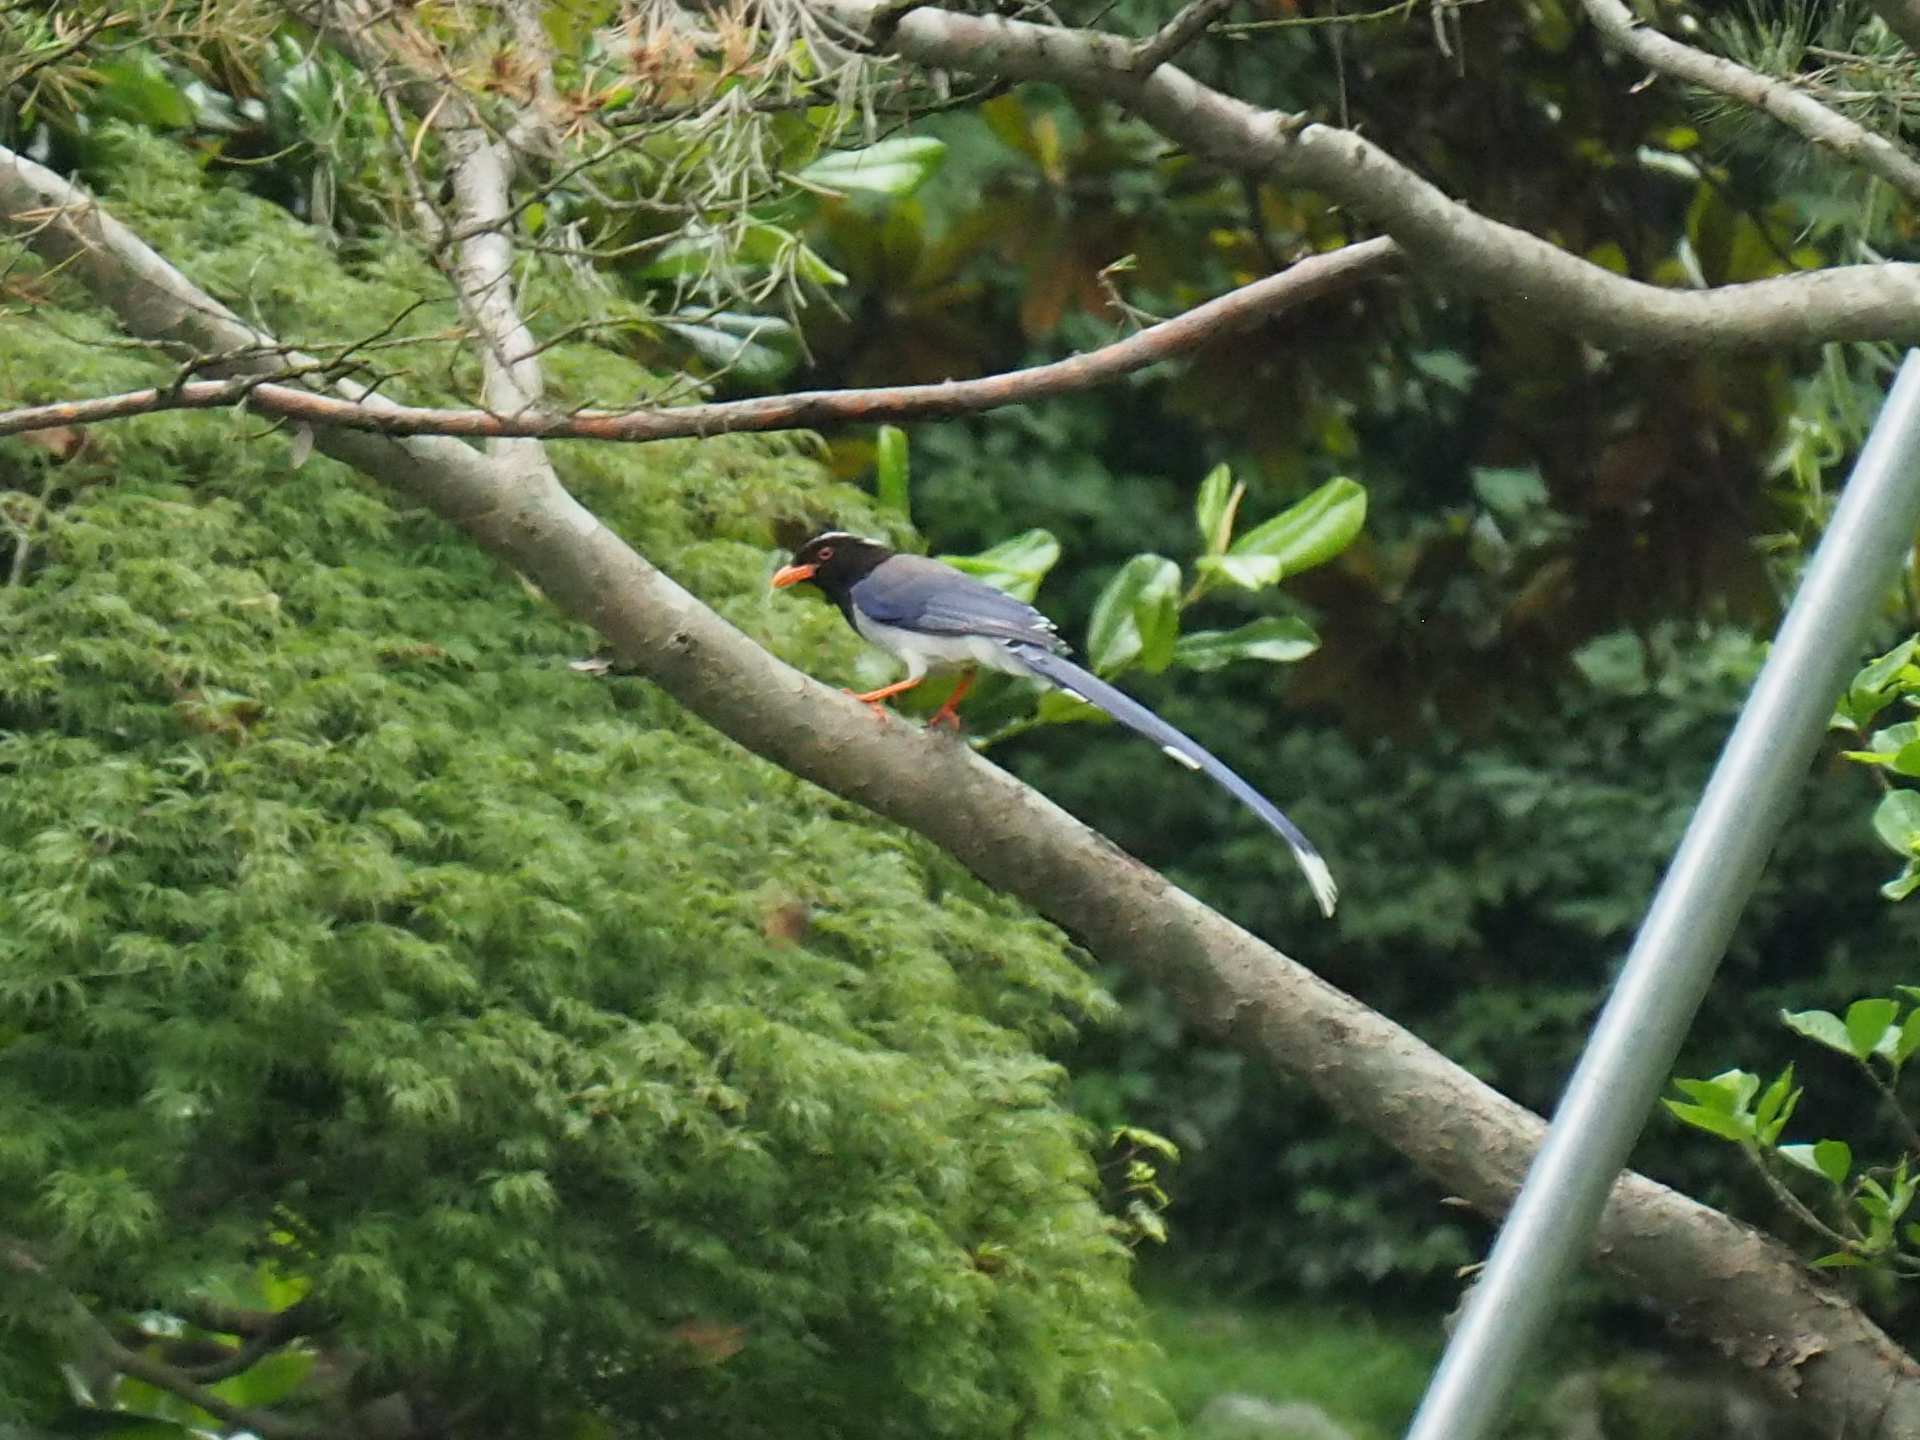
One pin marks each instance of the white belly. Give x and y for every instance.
(921, 653)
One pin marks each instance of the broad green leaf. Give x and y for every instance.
(136, 87)
(1137, 617)
(890, 472)
(1873, 688)
(1831, 1160)
(1897, 747)
(1278, 639)
(1908, 1040)
(1016, 566)
(898, 166)
(1729, 1090)
(1869, 1023)
(1249, 572)
(1820, 1026)
(268, 1381)
(1721, 1105)
(1509, 493)
(1896, 820)
(1835, 1159)
(1311, 532)
(1058, 707)
(1714, 1122)
(1214, 511)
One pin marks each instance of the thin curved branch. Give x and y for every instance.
(1793, 108)
(1703, 1270)
(1454, 245)
(1238, 310)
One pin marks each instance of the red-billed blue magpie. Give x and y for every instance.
(930, 615)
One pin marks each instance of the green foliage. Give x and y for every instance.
(571, 1065)
(1859, 1209)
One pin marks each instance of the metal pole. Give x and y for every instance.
(1551, 1226)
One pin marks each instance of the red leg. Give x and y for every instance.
(949, 713)
(873, 698)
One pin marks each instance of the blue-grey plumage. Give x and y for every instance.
(930, 615)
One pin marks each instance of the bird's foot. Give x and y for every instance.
(949, 713)
(877, 708)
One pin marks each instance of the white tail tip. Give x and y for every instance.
(1321, 879)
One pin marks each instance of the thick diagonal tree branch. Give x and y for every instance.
(1716, 1276)
(1230, 314)
(1454, 245)
(1793, 108)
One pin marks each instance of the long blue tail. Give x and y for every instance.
(1136, 717)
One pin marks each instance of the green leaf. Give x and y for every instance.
(1776, 1107)
(1903, 884)
(1214, 511)
(1869, 1022)
(1249, 572)
(267, 1381)
(1834, 1159)
(1873, 687)
(1278, 639)
(1016, 566)
(1908, 1040)
(1804, 1157)
(891, 167)
(1729, 1090)
(1137, 617)
(138, 88)
(1714, 1122)
(1311, 532)
(1510, 493)
(1821, 1026)
(1722, 1104)
(890, 472)
(1896, 820)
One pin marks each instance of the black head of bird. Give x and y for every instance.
(836, 561)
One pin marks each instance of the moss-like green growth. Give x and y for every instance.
(583, 1069)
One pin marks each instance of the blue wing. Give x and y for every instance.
(915, 593)
(1062, 672)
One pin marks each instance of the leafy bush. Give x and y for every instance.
(571, 1068)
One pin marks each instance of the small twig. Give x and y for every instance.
(1888, 1098)
(1178, 33)
(1294, 22)
(1800, 1210)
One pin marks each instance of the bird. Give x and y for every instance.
(928, 615)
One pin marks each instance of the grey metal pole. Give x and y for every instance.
(1551, 1226)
